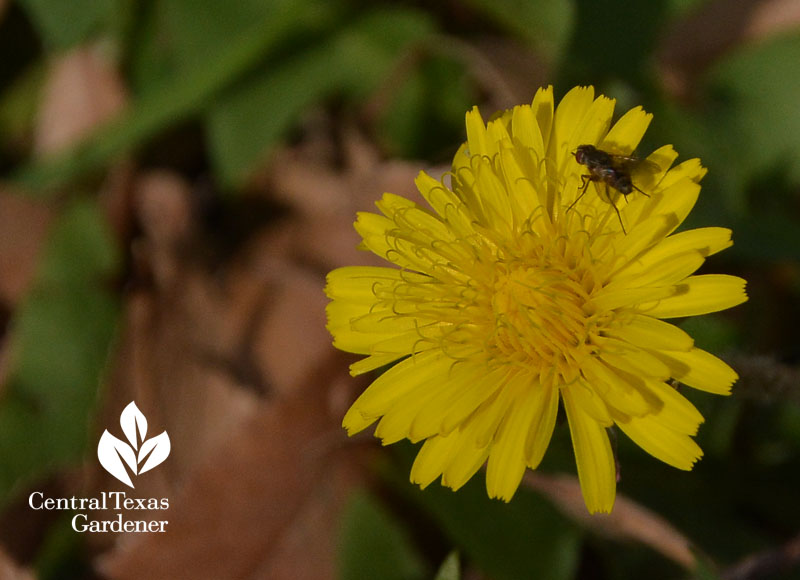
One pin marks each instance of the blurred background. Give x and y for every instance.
(178, 176)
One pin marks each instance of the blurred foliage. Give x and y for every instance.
(525, 538)
(375, 545)
(247, 75)
(61, 336)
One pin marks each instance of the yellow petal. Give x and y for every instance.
(635, 361)
(619, 297)
(592, 127)
(401, 343)
(621, 391)
(524, 183)
(360, 284)
(460, 379)
(699, 295)
(372, 362)
(642, 236)
(477, 138)
(593, 456)
(374, 229)
(446, 204)
(662, 159)
(494, 197)
(396, 383)
(485, 421)
(589, 129)
(541, 430)
(525, 130)
(700, 370)
(690, 169)
(571, 110)
(464, 463)
(507, 457)
(706, 241)
(497, 130)
(568, 121)
(649, 332)
(677, 411)
(624, 136)
(433, 457)
(415, 252)
(383, 322)
(461, 159)
(340, 314)
(397, 420)
(674, 202)
(410, 217)
(481, 388)
(670, 270)
(655, 436)
(592, 404)
(543, 109)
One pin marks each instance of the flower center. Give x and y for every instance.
(544, 319)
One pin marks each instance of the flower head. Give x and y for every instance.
(533, 279)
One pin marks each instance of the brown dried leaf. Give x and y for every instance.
(161, 202)
(695, 42)
(293, 337)
(327, 198)
(255, 490)
(316, 188)
(9, 570)
(83, 90)
(244, 504)
(23, 228)
(628, 520)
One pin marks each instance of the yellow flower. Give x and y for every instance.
(515, 291)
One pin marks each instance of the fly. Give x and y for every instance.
(612, 170)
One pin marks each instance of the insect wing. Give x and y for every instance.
(645, 174)
(642, 172)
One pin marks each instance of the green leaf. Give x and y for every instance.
(62, 24)
(249, 121)
(18, 107)
(526, 538)
(374, 544)
(246, 124)
(63, 550)
(196, 30)
(546, 24)
(788, 422)
(771, 237)
(756, 89)
(176, 100)
(425, 119)
(611, 40)
(712, 332)
(60, 337)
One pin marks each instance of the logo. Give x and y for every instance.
(114, 511)
(139, 454)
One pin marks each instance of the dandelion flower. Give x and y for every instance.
(514, 291)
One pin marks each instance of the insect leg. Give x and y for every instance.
(614, 205)
(585, 179)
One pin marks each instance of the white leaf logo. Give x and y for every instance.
(139, 454)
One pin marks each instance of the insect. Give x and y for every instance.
(611, 170)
